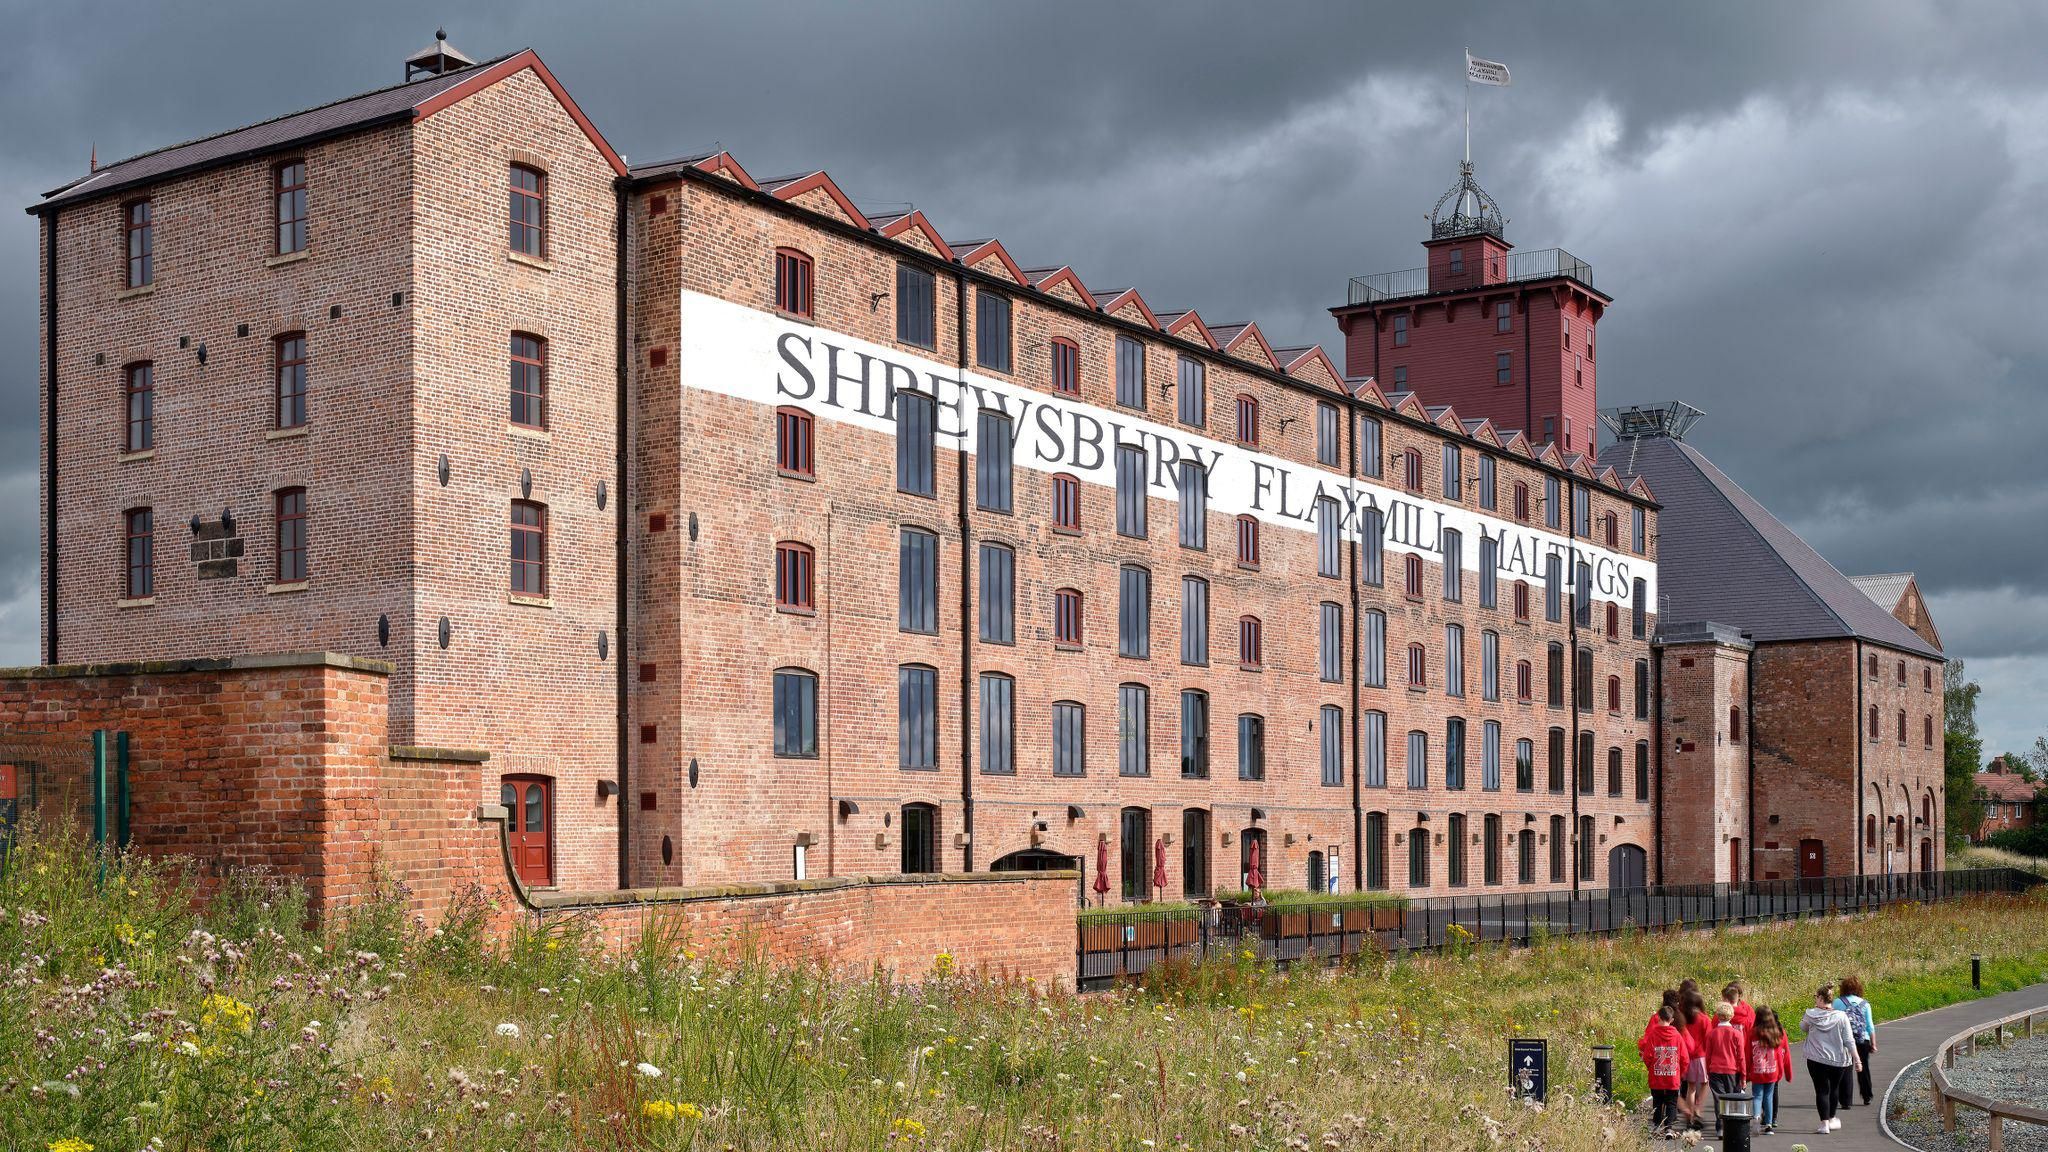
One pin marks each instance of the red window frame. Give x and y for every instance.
(1248, 420)
(138, 396)
(1871, 722)
(291, 535)
(1521, 501)
(529, 370)
(1066, 503)
(1411, 469)
(288, 183)
(1418, 666)
(794, 454)
(529, 549)
(1614, 695)
(527, 211)
(1251, 642)
(1521, 600)
(530, 827)
(1066, 366)
(1902, 673)
(1066, 617)
(1607, 529)
(290, 352)
(138, 552)
(794, 283)
(1525, 681)
(138, 242)
(1735, 721)
(1248, 541)
(1411, 577)
(1613, 621)
(1872, 661)
(1927, 731)
(1902, 727)
(795, 566)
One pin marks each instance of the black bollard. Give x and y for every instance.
(1976, 971)
(1733, 1111)
(1603, 1072)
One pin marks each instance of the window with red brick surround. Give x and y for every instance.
(1614, 695)
(1735, 722)
(1927, 731)
(792, 282)
(1248, 420)
(289, 184)
(139, 552)
(1607, 529)
(1524, 685)
(528, 211)
(1418, 666)
(793, 454)
(1251, 642)
(1412, 576)
(1871, 722)
(529, 548)
(139, 400)
(529, 359)
(139, 243)
(1902, 673)
(1066, 618)
(794, 565)
(1411, 469)
(291, 535)
(1066, 366)
(1521, 600)
(1066, 503)
(1521, 501)
(1248, 541)
(1613, 621)
(1902, 727)
(291, 380)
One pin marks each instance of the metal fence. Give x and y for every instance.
(63, 778)
(1540, 264)
(1124, 944)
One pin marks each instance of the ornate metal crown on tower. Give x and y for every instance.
(1471, 211)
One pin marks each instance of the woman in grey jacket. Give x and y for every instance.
(1831, 1056)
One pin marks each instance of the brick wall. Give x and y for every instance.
(1704, 677)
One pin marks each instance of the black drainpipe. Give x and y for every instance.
(621, 652)
(1571, 525)
(1749, 753)
(966, 587)
(1357, 701)
(1861, 738)
(50, 437)
(1657, 753)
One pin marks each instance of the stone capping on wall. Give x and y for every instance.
(1701, 632)
(561, 901)
(445, 755)
(200, 664)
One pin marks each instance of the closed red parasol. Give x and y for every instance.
(1159, 867)
(1252, 879)
(1101, 870)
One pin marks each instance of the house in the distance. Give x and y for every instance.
(2010, 800)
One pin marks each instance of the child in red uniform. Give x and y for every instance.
(1665, 1052)
(1727, 1055)
(1770, 1063)
(1695, 1023)
(1745, 1016)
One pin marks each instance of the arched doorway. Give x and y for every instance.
(1927, 854)
(1627, 867)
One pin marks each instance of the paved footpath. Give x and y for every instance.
(1899, 1043)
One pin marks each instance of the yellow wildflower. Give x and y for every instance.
(69, 1144)
(228, 1013)
(906, 1127)
(658, 1110)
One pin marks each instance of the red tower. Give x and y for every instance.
(1489, 331)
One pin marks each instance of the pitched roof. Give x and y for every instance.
(1722, 556)
(2005, 787)
(1886, 588)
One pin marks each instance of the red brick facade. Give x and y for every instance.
(2010, 800)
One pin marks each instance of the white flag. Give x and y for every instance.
(1479, 71)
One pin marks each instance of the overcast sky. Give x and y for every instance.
(1823, 224)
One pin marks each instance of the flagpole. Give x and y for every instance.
(1468, 105)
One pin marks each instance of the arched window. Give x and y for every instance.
(1134, 855)
(529, 550)
(1872, 662)
(1521, 500)
(1902, 673)
(1411, 469)
(1608, 535)
(528, 211)
(793, 449)
(289, 188)
(1066, 617)
(917, 717)
(1870, 832)
(1902, 727)
(290, 351)
(1418, 666)
(793, 282)
(794, 564)
(1613, 620)
(1614, 694)
(796, 713)
(291, 535)
(1871, 721)
(920, 834)
(529, 359)
(1066, 366)
(1248, 541)
(1927, 731)
(1248, 420)
(1066, 503)
(1250, 642)
(139, 551)
(1412, 576)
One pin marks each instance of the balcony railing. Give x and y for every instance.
(1542, 264)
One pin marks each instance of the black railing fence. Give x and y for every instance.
(1127, 943)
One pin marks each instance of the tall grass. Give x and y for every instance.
(128, 1021)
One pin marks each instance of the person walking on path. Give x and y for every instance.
(1727, 1056)
(1864, 1026)
(1663, 1049)
(1770, 1061)
(1831, 1055)
(1695, 1023)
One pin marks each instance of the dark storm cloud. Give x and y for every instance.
(1821, 223)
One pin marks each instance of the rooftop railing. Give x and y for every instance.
(1542, 264)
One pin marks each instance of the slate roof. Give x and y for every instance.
(1887, 589)
(341, 116)
(2005, 787)
(1722, 556)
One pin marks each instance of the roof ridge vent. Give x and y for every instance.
(436, 59)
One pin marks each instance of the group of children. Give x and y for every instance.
(1693, 1054)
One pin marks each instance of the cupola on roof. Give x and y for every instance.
(1471, 212)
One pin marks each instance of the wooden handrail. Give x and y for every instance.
(1947, 1096)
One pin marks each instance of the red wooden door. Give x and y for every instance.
(1927, 855)
(531, 805)
(1813, 862)
(1735, 860)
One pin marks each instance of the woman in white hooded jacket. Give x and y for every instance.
(1831, 1057)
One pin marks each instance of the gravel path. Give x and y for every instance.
(2017, 1072)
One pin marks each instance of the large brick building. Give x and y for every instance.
(732, 533)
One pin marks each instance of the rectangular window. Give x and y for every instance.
(794, 569)
(1642, 770)
(793, 450)
(1614, 771)
(1521, 600)
(998, 594)
(915, 416)
(1133, 730)
(290, 189)
(1489, 486)
(1371, 547)
(991, 330)
(1582, 594)
(1130, 491)
(1194, 620)
(1194, 736)
(529, 381)
(1248, 421)
(291, 380)
(1582, 763)
(792, 282)
(529, 548)
(1194, 505)
(1373, 648)
(1329, 538)
(1503, 368)
(1523, 689)
(1454, 474)
(916, 306)
(1332, 733)
(1454, 858)
(140, 225)
(1418, 759)
(1553, 511)
(1134, 613)
(1330, 642)
(1559, 830)
(992, 471)
(1503, 317)
(1642, 689)
(1130, 373)
(1525, 766)
(1489, 665)
(1191, 396)
(1066, 618)
(1454, 753)
(1329, 452)
(1452, 543)
(1454, 660)
(1582, 512)
(917, 581)
(140, 398)
(1372, 744)
(1553, 592)
(1066, 503)
(1639, 608)
(1400, 331)
(1556, 675)
(1489, 571)
(998, 732)
(1582, 679)
(1637, 531)
(1369, 461)
(1247, 542)
(139, 552)
(1418, 666)
(1490, 851)
(527, 211)
(796, 714)
(1418, 857)
(1250, 642)
(1586, 838)
(917, 717)
(291, 535)
(1555, 767)
(1069, 739)
(1066, 367)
